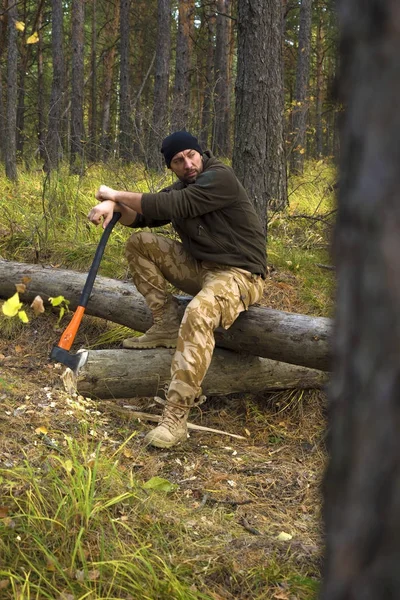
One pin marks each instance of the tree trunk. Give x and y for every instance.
(300, 111)
(181, 102)
(77, 128)
(221, 134)
(125, 120)
(110, 37)
(362, 485)
(2, 122)
(161, 85)
(259, 156)
(12, 96)
(207, 105)
(109, 374)
(319, 85)
(41, 127)
(286, 337)
(93, 87)
(54, 146)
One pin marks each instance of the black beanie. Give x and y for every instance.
(176, 142)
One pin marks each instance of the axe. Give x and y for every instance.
(60, 352)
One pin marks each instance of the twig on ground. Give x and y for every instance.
(192, 426)
(244, 523)
(321, 266)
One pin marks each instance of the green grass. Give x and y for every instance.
(79, 526)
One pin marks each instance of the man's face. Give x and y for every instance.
(187, 165)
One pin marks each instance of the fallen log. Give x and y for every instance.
(117, 373)
(285, 337)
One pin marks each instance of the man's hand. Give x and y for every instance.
(106, 193)
(104, 210)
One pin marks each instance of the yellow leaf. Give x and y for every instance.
(20, 25)
(33, 39)
(302, 150)
(20, 287)
(284, 537)
(37, 305)
(41, 430)
(11, 306)
(68, 466)
(23, 316)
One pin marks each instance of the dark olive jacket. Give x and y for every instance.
(213, 216)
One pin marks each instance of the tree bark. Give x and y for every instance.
(134, 373)
(54, 145)
(77, 127)
(109, 38)
(161, 85)
(362, 485)
(259, 154)
(286, 337)
(208, 78)
(221, 133)
(11, 110)
(125, 119)
(181, 103)
(300, 111)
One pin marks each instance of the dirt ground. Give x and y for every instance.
(269, 483)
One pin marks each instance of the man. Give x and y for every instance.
(221, 261)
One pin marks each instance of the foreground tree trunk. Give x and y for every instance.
(287, 337)
(135, 373)
(362, 487)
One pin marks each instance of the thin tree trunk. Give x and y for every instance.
(54, 146)
(93, 87)
(78, 81)
(300, 111)
(111, 33)
(259, 156)
(319, 84)
(125, 120)
(41, 102)
(159, 127)
(221, 137)
(181, 96)
(12, 96)
(208, 95)
(362, 485)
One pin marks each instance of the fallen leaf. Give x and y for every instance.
(284, 537)
(11, 306)
(159, 484)
(37, 305)
(26, 279)
(4, 583)
(41, 430)
(3, 512)
(18, 349)
(20, 287)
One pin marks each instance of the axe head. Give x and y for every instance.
(73, 361)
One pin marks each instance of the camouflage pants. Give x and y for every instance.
(220, 293)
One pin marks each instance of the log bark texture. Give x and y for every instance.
(286, 337)
(135, 373)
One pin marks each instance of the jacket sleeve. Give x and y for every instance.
(213, 190)
(141, 221)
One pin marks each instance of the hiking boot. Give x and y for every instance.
(163, 332)
(173, 425)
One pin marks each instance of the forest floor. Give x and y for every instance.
(216, 517)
